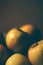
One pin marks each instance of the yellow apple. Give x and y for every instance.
(16, 40)
(28, 28)
(35, 53)
(21, 39)
(33, 31)
(17, 59)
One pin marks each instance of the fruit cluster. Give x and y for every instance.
(21, 46)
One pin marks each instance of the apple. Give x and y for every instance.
(33, 31)
(35, 53)
(16, 40)
(3, 53)
(17, 59)
(28, 28)
(19, 40)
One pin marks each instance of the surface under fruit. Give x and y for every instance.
(3, 54)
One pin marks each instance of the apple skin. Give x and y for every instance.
(17, 40)
(35, 53)
(33, 31)
(17, 59)
(28, 28)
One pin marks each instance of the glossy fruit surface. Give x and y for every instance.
(33, 31)
(28, 28)
(35, 53)
(17, 59)
(16, 40)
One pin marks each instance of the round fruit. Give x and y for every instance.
(28, 28)
(3, 53)
(16, 40)
(17, 59)
(33, 31)
(35, 53)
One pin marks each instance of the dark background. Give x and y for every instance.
(14, 13)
